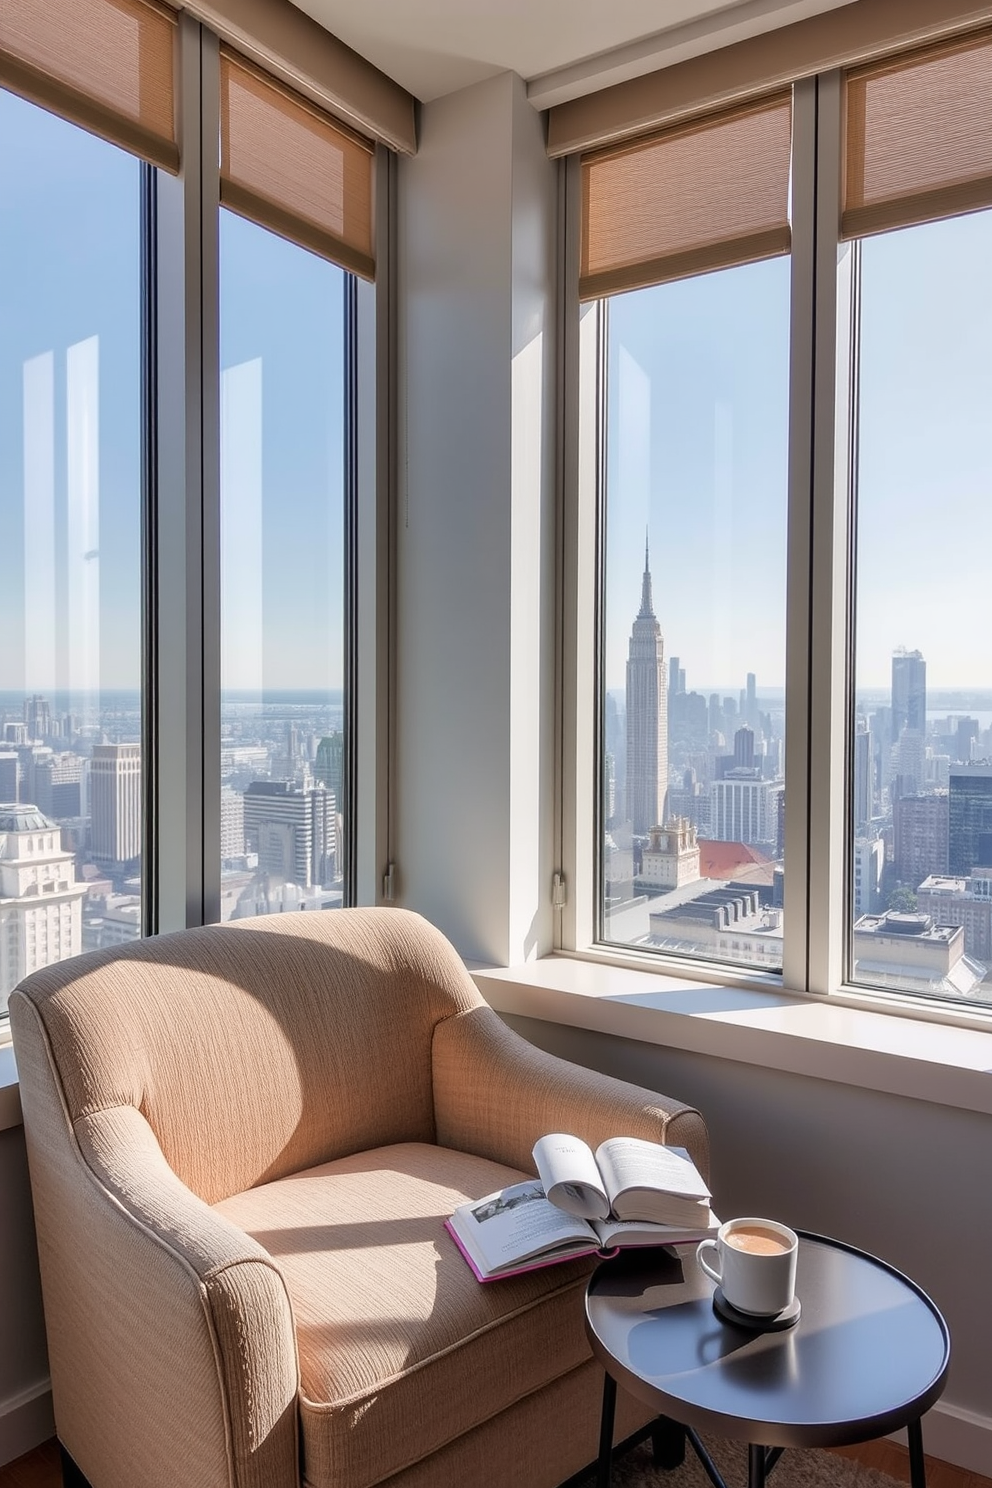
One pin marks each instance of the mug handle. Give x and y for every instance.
(704, 1264)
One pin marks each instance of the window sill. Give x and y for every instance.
(897, 1055)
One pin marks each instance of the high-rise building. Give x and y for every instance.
(58, 785)
(38, 717)
(970, 820)
(40, 900)
(744, 808)
(864, 795)
(919, 837)
(961, 901)
(329, 764)
(744, 748)
(965, 736)
(909, 693)
(869, 864)
(293, 830)
(232, 824)
(10, 775)
(115, 802)
(647, 716)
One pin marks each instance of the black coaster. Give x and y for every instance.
(787, 1318)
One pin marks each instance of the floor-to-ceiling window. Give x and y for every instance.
(792, 482)
(282, 573)
(71, 483)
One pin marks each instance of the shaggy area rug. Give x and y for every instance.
(794, 1469)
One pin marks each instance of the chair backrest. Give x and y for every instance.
(261, 1047)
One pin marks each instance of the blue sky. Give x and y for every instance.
(698, 419)
(69, 278)
(69, 271)
(699, 428)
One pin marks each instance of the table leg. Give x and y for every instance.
(668, 1443)
(917, 1464)
(756, 1466)
(603, 1471)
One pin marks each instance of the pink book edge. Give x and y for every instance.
(535, 1265)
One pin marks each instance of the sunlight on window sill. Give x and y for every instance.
(828, 1039)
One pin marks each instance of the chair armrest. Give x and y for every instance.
(495, 1094)
(214, 1271)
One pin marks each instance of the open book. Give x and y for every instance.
(626, 1178)
(517, 1230)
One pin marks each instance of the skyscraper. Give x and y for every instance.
(919, 826)
(40, 900)
(647, 716)
(909, 692)
(115, 802)
(329, 764)
(864, 794)
(969, 819)
(292, 829)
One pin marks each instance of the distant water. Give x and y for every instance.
(129, 700)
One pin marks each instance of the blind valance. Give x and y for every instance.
(919, 136)
(290, 167)
(108, 65)
(700, 196)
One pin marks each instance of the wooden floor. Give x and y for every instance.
(40, 1469)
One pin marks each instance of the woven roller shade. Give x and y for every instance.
(108, 65)
(290, 167)
(919, 137)
(697, 197)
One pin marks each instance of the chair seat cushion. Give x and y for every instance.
(388, 1315)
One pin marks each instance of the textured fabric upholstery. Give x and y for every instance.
(243, 1143)
(388, 1314)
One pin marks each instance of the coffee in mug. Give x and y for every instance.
(755, 1264)
(757, 1240)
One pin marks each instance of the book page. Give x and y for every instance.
(571, 1179)
(629, 1162)
(516, 1224)
(621, 1232)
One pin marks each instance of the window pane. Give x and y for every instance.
(922, 747)
(282, 574)
(70, 532)
(693, 730)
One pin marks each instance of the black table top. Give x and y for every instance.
(869, 1354)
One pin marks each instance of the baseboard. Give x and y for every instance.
(957, 1435)
(26, 1420)
(950, 1432)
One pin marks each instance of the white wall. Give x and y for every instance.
(907, 1180)
(475, 694)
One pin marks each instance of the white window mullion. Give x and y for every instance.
(830, 506)
(187, 512)
(583, 429)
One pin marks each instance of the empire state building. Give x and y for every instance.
(647, 716)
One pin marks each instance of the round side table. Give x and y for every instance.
(868, 1356)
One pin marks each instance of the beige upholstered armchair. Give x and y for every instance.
(244, 1141)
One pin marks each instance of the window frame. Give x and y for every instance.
(180, 520)
(819, 845)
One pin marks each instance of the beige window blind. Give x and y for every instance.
(919, 136)
(105, 64)
(700, 196)
(290, 167)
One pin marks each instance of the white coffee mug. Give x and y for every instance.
(755, 1264)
